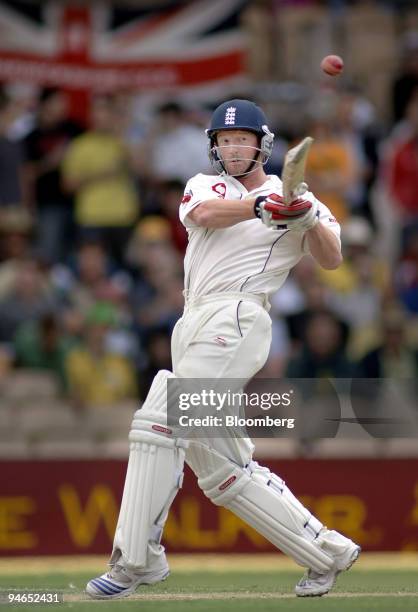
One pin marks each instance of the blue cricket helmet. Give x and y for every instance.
(239, 115)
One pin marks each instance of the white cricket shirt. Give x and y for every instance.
(248, 256)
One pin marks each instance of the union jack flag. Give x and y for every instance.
(100, 47)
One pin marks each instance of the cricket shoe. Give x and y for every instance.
(120, 581)
(345, 553)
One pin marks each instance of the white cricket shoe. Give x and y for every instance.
(345, 552)
(119, 581)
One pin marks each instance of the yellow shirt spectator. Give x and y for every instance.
(329, 172)
(96, 376)
(100, 381)
(96, 165)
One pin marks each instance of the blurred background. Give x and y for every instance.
(103, 107)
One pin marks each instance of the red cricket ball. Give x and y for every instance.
(332, 65)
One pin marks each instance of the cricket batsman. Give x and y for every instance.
(245, 235)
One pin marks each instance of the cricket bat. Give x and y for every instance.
(293, 174)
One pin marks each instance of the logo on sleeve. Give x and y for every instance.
(187, 197)
(230, 115)
(220, 189)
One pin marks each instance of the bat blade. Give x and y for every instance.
(293, 173)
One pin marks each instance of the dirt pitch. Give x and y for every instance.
(198, 563)
(229, 596)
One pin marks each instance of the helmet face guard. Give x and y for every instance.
(240, 115)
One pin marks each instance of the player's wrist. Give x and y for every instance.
(257, 207)
(313, 224)
(306, 222)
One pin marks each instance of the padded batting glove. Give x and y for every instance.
(300, 216)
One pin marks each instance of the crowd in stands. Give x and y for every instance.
(91, 247)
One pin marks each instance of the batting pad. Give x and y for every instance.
(154, 475)
(263, 500)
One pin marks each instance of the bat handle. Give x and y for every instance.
(300, 190)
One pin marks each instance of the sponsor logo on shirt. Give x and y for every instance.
(220, 189)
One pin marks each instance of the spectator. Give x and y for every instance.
(176, 148)
(402, 172)
(40, 345)
(25, 97)
(323, 351)
(406, 274)
(12, 156)
(356, 125)
(358, 241)
(158, 353)
(156, 299)
(315, 299)
(30, 299)
(303, 294)
(406, 82)
(152, 234)
(45, 148)
(96, 375)
(15, 234)
(96, 168)
(6, 362)
(170, 195)
(291, 298)
(393, 357)
(92, 277)
(359, 285)
(322, 356)
(331, 169)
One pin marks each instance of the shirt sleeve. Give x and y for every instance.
(197, 190)
(326, 218)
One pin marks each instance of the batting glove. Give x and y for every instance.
(300, 216)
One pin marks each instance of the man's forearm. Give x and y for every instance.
(219, 213)
(324, 246)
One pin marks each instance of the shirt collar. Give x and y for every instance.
(272, 182)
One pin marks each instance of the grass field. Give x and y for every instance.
(230, 583)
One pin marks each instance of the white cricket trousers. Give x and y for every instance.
(222, 335)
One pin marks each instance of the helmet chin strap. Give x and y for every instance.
(252, 167)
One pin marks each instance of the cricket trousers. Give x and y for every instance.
(221, 336)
